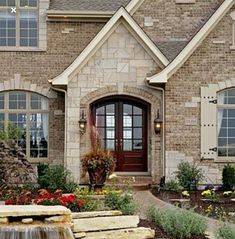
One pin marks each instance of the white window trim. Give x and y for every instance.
(6, 111)
(43, 6)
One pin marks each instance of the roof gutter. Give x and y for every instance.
(79, 14)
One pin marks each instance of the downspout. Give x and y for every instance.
(65, 122)
(163, 129)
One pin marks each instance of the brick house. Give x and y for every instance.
(130, 66)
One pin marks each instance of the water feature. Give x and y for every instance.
(35, 222)
(36, 232)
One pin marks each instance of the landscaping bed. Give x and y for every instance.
(159, 233)
(218, 207)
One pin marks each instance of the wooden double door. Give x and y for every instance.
(122, 128)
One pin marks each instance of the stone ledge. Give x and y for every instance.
(105, 223)
(32, 210)
(95, 214)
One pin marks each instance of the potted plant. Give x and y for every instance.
(99, 163)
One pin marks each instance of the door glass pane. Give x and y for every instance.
(110, 133)
(138, 133)
(137, 144)
(110, 109)
(110, 144)
(110, 121)
(127, 109)
(222, 152)
(127, 145)
(100, 121)
(127, 133)
(127, 121)
(137, 111)
(137, 121)
(100, 110)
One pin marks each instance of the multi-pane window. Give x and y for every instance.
(226, 123)
(29, 113)
(19, 23)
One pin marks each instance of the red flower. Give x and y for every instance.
(79, 204)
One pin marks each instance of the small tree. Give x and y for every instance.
(11, 133)
(188, 175)
(228, 177)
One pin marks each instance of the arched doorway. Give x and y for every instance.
(122, 126)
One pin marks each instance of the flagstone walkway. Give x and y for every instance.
(145, 199)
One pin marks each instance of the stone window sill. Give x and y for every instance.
(225, 160)
(36, 160)
(232, 48)
(26, 49)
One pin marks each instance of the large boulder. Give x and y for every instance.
(14, 166)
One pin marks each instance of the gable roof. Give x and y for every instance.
(182, 57)
(87, 5)
(101, 37)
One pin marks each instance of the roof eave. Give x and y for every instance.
(192, 45)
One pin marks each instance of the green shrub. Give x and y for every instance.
(178, 223)
(173, 185)
(225, 232)
(56, 177)
(10, 133)
(123, 202)
(188, 175)
(228, 176)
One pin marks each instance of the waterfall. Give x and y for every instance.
(36, 232)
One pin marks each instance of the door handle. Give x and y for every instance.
(121, 143)
(116, 143)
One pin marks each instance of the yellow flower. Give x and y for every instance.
(206, 193)
(112, 176)
(185, 194)
(227, 193)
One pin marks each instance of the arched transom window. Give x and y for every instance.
(28, 112)
(226, 123)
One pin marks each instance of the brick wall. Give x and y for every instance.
(167, 20)
(40, 66)
(212, 62)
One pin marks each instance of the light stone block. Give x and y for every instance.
(32, 210)
(132, 233)
(123, 67)
(79, 215)
(105, 223)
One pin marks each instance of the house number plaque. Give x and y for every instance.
(191, 121)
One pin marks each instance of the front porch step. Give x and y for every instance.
(137, 182)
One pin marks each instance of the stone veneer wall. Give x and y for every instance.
(173, 19)
(211, 63)
(31, 70)
(119, 67)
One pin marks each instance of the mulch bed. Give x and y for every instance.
(195, 200)
(159, 233)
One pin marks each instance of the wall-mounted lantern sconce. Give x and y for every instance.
(158, 123)
(82, 123)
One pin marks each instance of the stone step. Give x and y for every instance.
(79, 215)
(130, 233)
(104, 223)
(137, 182)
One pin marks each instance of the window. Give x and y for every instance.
(226, 123)
(19, 23)
(29, 112)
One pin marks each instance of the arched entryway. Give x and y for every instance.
(122, 126)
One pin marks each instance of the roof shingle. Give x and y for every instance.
(87, 5)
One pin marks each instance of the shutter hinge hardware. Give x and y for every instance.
(214, 149)
(213, 101)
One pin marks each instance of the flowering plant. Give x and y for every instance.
(73, 202)
(207, 193)
(185, 194)
(18, 198)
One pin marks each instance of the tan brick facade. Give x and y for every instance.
(120, 67)
(37, 67)
(211, 63)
